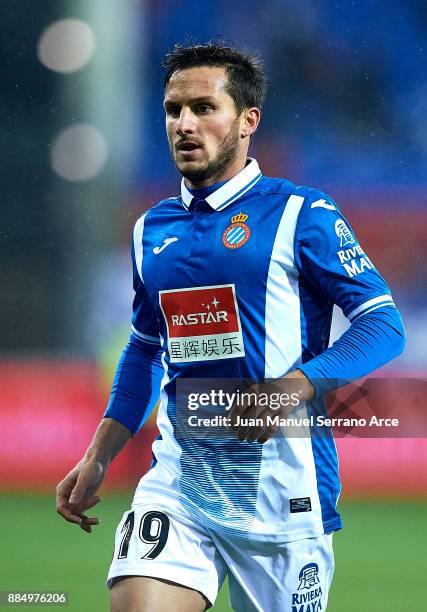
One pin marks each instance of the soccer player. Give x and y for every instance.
(235, 279)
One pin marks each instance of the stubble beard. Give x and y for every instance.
(214, 168)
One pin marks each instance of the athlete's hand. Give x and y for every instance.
(267, 400)
(256, 406)
(75, 494)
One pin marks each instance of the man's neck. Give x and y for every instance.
(206, 191)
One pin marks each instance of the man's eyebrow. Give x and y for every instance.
(199, 99)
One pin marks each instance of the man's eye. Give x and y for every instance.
(204, 108)
(173, 111)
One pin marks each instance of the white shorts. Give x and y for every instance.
(163, 541)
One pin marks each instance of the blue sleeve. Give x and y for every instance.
(331, 260)
(370, 342)
(136, 385)
(145, 324)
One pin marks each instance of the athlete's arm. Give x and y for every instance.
(135, 392)
(335, 269)
(371, 341)
(136, 385)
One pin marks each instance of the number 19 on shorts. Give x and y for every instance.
(153, 530)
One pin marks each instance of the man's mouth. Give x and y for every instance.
(188, 146)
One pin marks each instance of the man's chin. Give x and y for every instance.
(192, 170)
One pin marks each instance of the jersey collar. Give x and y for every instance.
(231, 190)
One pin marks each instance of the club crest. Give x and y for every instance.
(238, 233)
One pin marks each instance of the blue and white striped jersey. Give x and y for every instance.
(241, 285)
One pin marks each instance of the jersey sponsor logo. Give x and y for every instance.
(166, 242)
(308, 595)
(354, 260)
(344, 233)
(238, 233)
(203, 323)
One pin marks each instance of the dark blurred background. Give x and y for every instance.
(84, 153)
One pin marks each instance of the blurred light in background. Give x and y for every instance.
(79, 152)
(66, 46)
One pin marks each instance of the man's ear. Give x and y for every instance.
(251, 118)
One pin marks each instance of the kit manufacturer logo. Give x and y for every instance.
(166, 242)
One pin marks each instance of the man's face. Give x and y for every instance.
(202, 124)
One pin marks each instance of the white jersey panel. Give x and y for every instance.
(277, 482)
(282, 305)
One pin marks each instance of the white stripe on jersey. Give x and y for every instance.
(137, 243)
(282, 305)
(365, 312)
(145, 337)
(381, 300)
(283, 348)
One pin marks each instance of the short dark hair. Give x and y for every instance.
(247, 81)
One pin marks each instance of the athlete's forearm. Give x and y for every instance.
(136, 386)
(109, 439)
(369, 343)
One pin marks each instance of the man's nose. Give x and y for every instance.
(185, 124)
